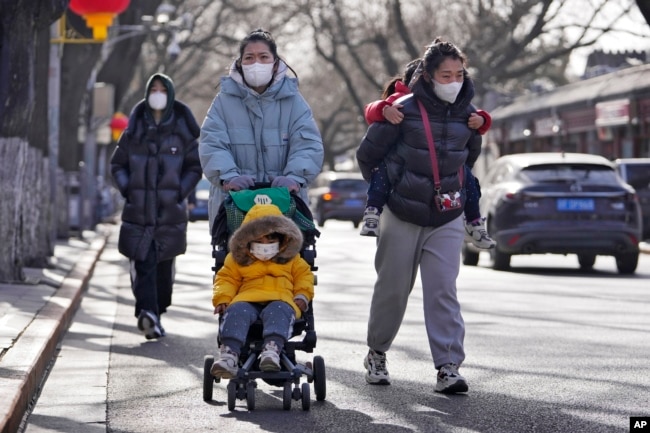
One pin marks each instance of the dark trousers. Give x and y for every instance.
(152, 283)
(379, 189)
(473, 191)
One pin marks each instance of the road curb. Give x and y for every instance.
(31, 354)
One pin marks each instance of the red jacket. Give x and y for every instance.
(374, 110)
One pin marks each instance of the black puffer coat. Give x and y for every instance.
(155, 167)
(405, 151)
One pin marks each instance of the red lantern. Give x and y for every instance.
(119, 122)
(99, 14)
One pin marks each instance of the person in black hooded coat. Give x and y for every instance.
(155, 167)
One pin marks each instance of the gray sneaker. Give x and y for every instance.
(476, 233)
(377, 373)
(270, 357)
(227, 366)
(370, 225)
(450, 381)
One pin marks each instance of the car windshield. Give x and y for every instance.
(591, 173)
(349, 184)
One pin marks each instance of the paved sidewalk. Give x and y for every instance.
(34, 317)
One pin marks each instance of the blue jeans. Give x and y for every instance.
(379, 190)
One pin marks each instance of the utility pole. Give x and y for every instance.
(53, 102)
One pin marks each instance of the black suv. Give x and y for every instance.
(559, 203)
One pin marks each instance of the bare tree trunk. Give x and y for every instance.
(20, 23)
(13, 153)
(36, 211)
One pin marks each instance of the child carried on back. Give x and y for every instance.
(388, 109)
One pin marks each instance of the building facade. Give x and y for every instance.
(607, 115)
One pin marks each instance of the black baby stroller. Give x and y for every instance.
(230, 216)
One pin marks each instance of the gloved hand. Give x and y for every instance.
(240, 182)
(290, 184)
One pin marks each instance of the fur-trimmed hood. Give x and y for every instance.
(260, 220)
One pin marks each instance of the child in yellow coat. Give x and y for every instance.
(263, 276)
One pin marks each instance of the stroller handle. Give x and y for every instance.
(260, 185)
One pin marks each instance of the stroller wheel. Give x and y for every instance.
(208, 379)
(320, 386)
(306, 400)
(250, 396)
(286, 396)
(232, 394)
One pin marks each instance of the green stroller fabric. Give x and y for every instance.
(239, 202)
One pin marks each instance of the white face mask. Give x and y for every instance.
(265, 252)
(258, 74)
(157, 100)
(447, 92)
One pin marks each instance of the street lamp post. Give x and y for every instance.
(53, 102)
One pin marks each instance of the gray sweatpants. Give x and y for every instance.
(402, 248)
(277, 317)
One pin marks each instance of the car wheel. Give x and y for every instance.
(470, 258)
(500, 260)
(626, 263)
(586, 261)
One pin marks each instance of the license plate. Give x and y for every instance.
(575, 204)
(353, 203)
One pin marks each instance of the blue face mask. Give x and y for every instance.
(447, 92)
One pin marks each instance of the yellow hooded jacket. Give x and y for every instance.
(244, 278)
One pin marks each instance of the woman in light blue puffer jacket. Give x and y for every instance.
(259, 128)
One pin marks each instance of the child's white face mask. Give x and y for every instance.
(265, 252)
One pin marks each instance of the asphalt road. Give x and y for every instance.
(549, 349)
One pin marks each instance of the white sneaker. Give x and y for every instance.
(476, 233)
(370, 225)
(377, 373)
(227, 366)
(149, 324)
(450, 381)
(270, 357)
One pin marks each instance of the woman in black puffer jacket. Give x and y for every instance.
(414, 234)
(155, 167)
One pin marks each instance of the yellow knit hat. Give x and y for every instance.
(261, 210)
